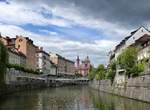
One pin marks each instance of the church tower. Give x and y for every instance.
(78, 61)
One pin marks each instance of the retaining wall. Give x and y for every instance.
(136, 88)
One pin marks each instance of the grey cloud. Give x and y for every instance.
(129, 13)
(126, 13)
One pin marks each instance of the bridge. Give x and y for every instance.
(51, 81)
(67, 81)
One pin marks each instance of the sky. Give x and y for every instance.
(74, 27)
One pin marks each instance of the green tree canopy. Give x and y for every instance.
(111, 71)
(128, 60)
(100, 72)
(92, 73)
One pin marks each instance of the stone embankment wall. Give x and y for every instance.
(135, 88)
(19, 80)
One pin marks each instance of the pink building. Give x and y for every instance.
(83, 67)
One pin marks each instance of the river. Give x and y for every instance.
(68, 98)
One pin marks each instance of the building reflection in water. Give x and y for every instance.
(68, 98)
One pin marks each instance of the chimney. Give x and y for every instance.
(17, 36)
(41, 48)
(7, 37)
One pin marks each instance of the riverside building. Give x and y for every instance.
(140, 39)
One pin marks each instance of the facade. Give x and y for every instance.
(70, 69)
(36, 58)
(16, 57)
(44, 64)
(23, 45)
(26, 46)
(8, 42)
(84, 67)
(53, 69)
(140, 39)
(64, 66)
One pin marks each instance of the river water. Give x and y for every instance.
(68, 98)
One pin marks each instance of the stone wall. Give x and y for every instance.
(19, 80)
(13, 77)
(136, 88)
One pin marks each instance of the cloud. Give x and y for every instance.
(123, 12)
(63, 13)
(113, 19)
(22, 14)
(67, 48)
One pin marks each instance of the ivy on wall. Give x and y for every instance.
(3, 63)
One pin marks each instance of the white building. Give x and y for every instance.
(139, 38)
(16, 57)
(44, 64)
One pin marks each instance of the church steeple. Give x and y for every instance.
(78, 61)
(0, 35)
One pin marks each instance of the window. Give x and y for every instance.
(18, 46)
(142, 30)
(20, 40)
(44, 57)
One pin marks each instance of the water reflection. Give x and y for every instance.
(104, 101)
(68, 98)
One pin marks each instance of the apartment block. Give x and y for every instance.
(139, 38)
(26, 46)
(44, 64)
(16, 57)
(64, 66)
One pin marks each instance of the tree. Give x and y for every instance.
(3, 63)
(100, 72)
(111, 71)
(128, 60)
(92, 73)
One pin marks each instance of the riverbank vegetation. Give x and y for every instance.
(127, 60)
(101, 72)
